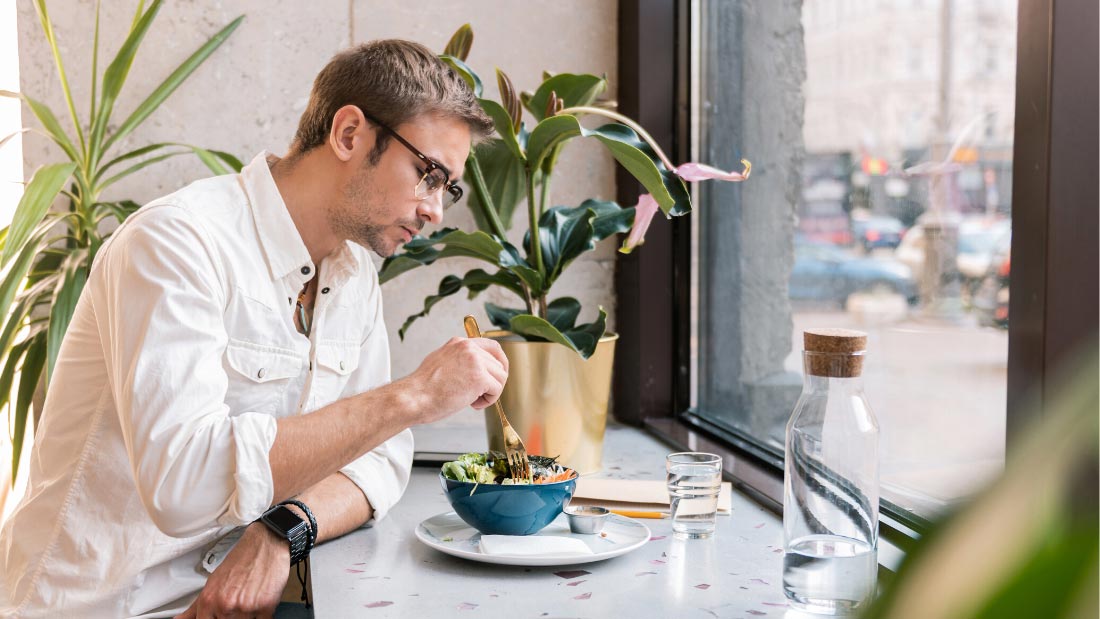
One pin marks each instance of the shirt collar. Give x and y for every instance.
(280, 240)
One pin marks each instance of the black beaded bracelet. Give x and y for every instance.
(312, 522)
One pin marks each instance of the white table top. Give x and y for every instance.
(384, 571)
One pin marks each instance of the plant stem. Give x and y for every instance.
(533, 222)
(488, 209)
(642, 133)
(545, 193)
(527, 298)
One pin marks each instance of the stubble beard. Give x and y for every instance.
(352, 218)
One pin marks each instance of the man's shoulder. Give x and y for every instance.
(204, 207)
(219, 195)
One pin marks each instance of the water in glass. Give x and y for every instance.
(829, 574)
(693, 497)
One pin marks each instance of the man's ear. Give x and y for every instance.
(350, 133)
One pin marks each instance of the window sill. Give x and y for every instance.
(760, 476)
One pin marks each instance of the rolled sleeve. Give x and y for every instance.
(383, 473)
(255, 488)
(160, 310)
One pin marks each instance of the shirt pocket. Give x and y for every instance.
(336, 360)
(258, 376)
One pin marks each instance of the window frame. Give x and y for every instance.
(1054, 242)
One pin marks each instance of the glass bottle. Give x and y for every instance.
(830, 482)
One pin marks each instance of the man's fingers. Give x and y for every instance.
(493, 348)
(190, 613)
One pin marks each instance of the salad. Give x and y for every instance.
(492, 468)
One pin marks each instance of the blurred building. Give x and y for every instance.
(875, 87)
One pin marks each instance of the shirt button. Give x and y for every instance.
(261, 373)
(324, 290)
(341, 366)
(306, 270)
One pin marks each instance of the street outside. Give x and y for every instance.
(938, 388)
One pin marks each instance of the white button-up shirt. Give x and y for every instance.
(162, 408)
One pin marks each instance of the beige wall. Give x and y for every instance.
(249, 95)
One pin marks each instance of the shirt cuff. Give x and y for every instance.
(383, 473)
(253, 437)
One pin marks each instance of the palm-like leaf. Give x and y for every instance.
(39, 273)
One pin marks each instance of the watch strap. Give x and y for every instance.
(312, 521)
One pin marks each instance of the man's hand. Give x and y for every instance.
(462, 372)
(249, 582)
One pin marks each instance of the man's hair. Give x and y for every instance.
(393, 81)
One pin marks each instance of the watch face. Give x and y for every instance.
(284, 519)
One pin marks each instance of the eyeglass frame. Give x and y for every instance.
(451, 186)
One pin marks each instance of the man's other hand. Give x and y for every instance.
(249, 582)
(463, 372)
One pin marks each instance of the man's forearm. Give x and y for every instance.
(338, 505)
(310, 448)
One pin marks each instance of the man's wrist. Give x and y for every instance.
(404, 401)
(268, 539)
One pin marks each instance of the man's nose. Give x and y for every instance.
(430, 209)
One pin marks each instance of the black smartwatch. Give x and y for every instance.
(291, 527)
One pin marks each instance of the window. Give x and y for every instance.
(860, 214)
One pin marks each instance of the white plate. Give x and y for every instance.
(623, 535)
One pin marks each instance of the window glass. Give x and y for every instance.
(881, 141)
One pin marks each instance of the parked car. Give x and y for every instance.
(990, 300)
(978, 237)
(877, 231)
(828, 273)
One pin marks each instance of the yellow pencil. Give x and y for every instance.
(629, 513)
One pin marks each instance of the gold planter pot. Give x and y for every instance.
(555, 399)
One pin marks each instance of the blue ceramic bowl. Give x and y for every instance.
(494, 509)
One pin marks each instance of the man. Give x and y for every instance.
(229, 353)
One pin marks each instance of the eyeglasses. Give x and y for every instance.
(434, 175)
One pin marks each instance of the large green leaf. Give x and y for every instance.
(504, 178)
(628, 149)
(503, 123)
(171, 83)
(74, 274)
(501, 317)
(421, 251)
(465, 72)
(114, 78)
(567, 233)
(582, 339)
(29, 375)
(475, 281)
(574, 90)
(562, 313)
(37, 198)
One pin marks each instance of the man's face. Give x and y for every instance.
(378, 207)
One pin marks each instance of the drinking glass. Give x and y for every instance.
(694, 480)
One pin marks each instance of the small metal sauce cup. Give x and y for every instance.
(586, 520)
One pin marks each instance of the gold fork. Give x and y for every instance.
(518, 465)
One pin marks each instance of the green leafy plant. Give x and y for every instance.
(517, 165)
(45, 254)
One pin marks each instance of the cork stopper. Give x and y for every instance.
(834, 352)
